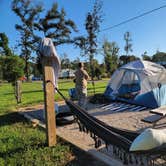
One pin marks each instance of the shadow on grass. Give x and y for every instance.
(11, 118)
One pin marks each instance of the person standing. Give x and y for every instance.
(81, 78)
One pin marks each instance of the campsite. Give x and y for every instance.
(82, 83)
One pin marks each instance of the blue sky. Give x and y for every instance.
(148, 33)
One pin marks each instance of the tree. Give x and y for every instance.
(1, 73)
(29, 14)
(74, 64)
(128, 45)
(65, 62)
(123, 59)
(159, 57)
(98, 72)
(92, 25)
(35, 71)
(5, 50)
(146, 57)
(12, 68)
(56, 26)
(110, 51)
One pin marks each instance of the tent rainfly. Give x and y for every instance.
(139, 82)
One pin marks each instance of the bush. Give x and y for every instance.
(104, 75)
(12, 68)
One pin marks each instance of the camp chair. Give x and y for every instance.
(120, 139)
(72, 94)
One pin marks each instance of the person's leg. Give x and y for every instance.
(83, 98)
(81, 95)
(78, 93)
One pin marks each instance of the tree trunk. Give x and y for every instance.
(18, 93)
(92, 73)
(27, 69)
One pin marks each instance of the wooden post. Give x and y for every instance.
(18, 91)
(49, 102)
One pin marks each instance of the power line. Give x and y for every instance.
(133, 18)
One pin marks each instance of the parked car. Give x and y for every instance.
(36, 78)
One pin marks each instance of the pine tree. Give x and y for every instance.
(110, 50)
(5, 50)
(128, 45)
(28, 14)
(56, 26)
(89, 44)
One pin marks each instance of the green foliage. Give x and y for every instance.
(28, 14)
(126, 59)
(128, 46)
(110, 51)
(35, 70)
(65, 62)
(4, 45)
(97, 69)
(159, 57)
(98, 72)
(1, 73)
(92, 25)
(74, 63)
(146, 57)
(12, 67)
(89, 44)
(56, 26)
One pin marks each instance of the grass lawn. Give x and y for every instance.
(21, 144)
